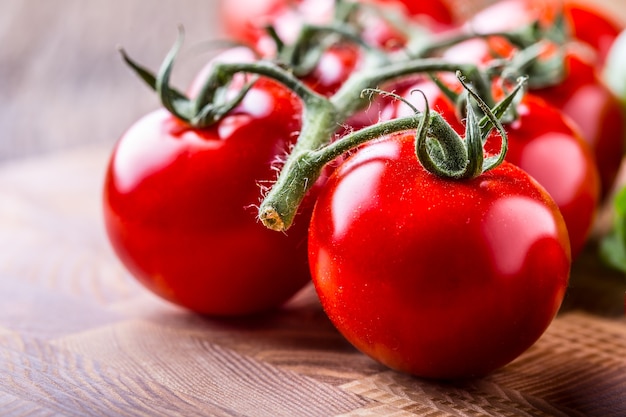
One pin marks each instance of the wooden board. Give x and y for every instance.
(79, 337)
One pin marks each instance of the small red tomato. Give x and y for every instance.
(435, 277)
(545, 144)
(333, 68)
(581, 95)
(433, 13)
(599, 114)
(587, 23)
(179, 207)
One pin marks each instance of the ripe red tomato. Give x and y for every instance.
(434, 277)
(437, 12)
(581, 95)
(550, 148)
(587, 23)
(595, 109)
(333, 68)
(545, 144)
(179, 207)
(245, 20)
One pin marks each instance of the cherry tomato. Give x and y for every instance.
(587, 23)
(581, 95)
(333, 68)
(549, 147)
(245, 20)
(437, 12)
(179, 207)
(595, 109)
(545, 144)
(435, 277)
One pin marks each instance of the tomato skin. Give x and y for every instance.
(179, 207)
(433, 277)
(588, 24)
(582, 96)
(437, 11)
(548, 146)
(333, 69)
(586, 100)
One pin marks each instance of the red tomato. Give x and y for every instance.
(588, 23)
(581, 95)
(438, 12)
(333, 68)
(179, 207)
(548, 146)
(245, 19)
(596, 110)
(434, 277)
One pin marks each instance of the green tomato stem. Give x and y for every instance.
(303, 168)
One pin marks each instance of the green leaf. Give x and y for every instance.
(613, 246)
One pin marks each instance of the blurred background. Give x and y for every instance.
(62, 82)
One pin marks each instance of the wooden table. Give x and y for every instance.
(79, 337)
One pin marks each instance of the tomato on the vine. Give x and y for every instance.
(334, 67)
(586, 23)
(436, 277)
(580, 93)
(545, 144)
(179, 206)
(599, 114)
(437, 12)
(246, 20)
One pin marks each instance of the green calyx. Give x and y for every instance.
(210, 105)
(444, 153)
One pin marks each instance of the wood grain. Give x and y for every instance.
(79, 337)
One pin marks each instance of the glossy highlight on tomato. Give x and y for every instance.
(437, 278)
(544, 143)
(586, 23)
(599, 114)
(179, 207)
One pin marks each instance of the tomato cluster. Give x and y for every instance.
(437, 219)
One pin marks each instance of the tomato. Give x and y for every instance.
(595, 109)
(549, 147)
(592, 26)
(435, 277)
(179, 207)
(245, 20)
(333, 68)
(433, 13)
(587, 23)
(581, 95)
(545, 144)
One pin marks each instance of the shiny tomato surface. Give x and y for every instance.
(580, 94)
(179, 207)
(434, 277)
(547, 145)
(586, 23)
(599, 114)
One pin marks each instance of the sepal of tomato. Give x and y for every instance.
(179, 207)
(547, 145)
(435, 277)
